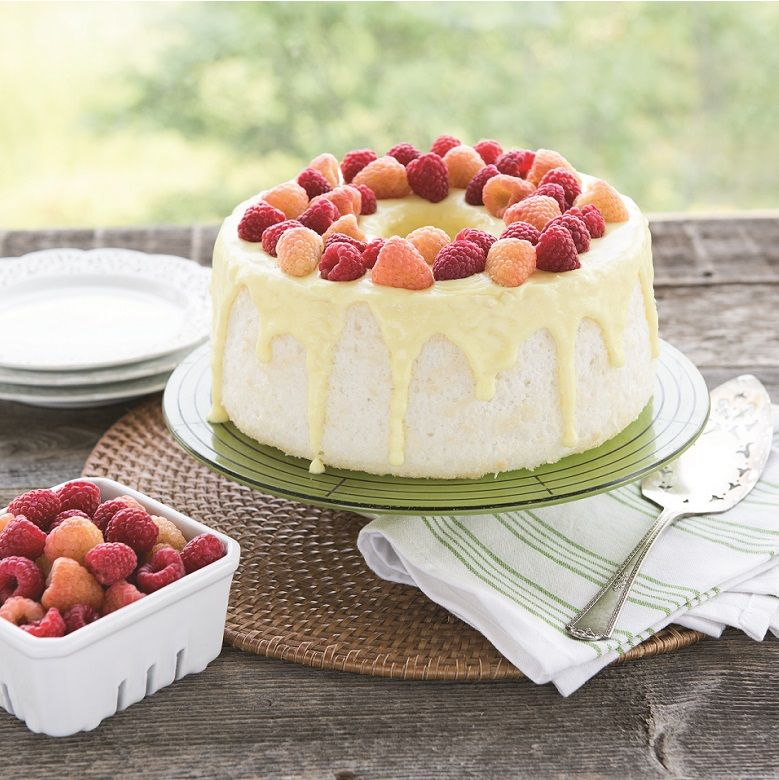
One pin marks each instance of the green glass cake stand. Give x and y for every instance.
(670, 423)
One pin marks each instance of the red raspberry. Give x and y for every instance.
(22, 538)
(79, 494)
(354, 161)
(553, 191)
(428, 177)
(313, 182)
(119, 595)
(319, 215)
(38, 506)
(522, 230)
(473, 192)
(20, 577)
(78, 616)
(165, 567)
(517, 162)
(63, 516)
(111, 562)
(368, 199)
(257, 219)
(371, 252)
(458, 260)
(49, 626)
(443, 144)
(201, 551)
(341, 262)
(107, 510)
(133, 527)
(272, 235)
(577, 227)
(480, 237)
(342, 238)
(592, 218)
(404, 153)
(489, 151)
(567, 179)
(556, 251)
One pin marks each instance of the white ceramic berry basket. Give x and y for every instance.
(61, 686)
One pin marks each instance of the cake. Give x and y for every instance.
(449, 314)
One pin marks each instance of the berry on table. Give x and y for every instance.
(404, 153)
(354, 161)
(256, 219)
(577, 227)
(523, 230)
(19, 610)
(108, 563)
(443, 144)
(68, 584)
(553, 191)
(20, 577)
(134, 527)
(489, 151)
(327, 165)
(607, 200)
(288, 197)
(567, 179)
(341, 262)
(480, 237)
(428, 177)
(399, 264)
(368, 199)
(347, 226)
(462, 164)
(536, 210)
(429, 241)
(23, 538)
(73, 538)
(119, 595)
(200, 551)
(543, 162)
(319, 215)
(78, 616)
(165, 567)
(386, 177)
(510, 262)
(459, 260)
(49, 626)
(298, 252)
(515, 162)
(272, 235)
(502, 191)
(313, 182)
(556, 251)
(38, 506)
(473, 192)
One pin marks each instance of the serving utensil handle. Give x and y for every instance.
(599, 616)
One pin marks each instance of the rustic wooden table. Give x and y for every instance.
(708, 711)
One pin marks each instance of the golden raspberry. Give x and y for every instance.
(510, 261)
(462, 163)
(132, 503)
(399, 264)
(298, 251)
(68, 584)
(73, 538)
(347, 199)
(602, 195)
(536, 210)
(289, 198)
(429, 241)
(328, 166)
(19, 610)
(502, 191)
(386, 177)
(169, 533)
(543, 162)
(4, 520)
(347, 226)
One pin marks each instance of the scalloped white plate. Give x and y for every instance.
(76, 310)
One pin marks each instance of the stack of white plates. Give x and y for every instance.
(88, 328)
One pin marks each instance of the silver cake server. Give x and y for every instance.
(712, 476)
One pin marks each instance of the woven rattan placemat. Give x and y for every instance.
(302, 591)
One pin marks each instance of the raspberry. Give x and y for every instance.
(458, 260)
(428, 177)
(5, 520)
(473, 192)
(22, 538)
(341, 263)
(19, 610)
(298, 251)
(537, 210)
(346, 198)
(165, 567)
(272, 235)
(38, 506)
(327, 165)
(345, 226)
(443, 144)
(517, 162)
(544, 161)
(256, 219)
(606, 199)
(371, 252)
(49, 626)
(577, 227)
(132, 503)
(462, 163)
(502, 191)
(20, 577)
(79, 494)
(134, 527)
(342, 238)
(429, 241)
(553, 191)
(386, 177)
(313, 182)
(288, 197)
(119, 595)
(108, 509)
(168, 533)
(319, 216)
(73, 538)
(567, 179)
(556, 251)
(201, 551)
(68, 584)
(368, 199)
(78, 616)
(109, 563)
(489, 151)
(594, 220)
(399, 264)
(510, 262)
(479, 237)
(62, 516)
(404, 153)
(354, 161)
(522, 230)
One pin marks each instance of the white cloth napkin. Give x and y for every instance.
(519, 577)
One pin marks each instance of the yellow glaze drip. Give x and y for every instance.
(487, 322)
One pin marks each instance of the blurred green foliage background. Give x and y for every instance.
(128, 113)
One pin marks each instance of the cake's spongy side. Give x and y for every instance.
(449, 434)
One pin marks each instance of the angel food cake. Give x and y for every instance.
(446, 314)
